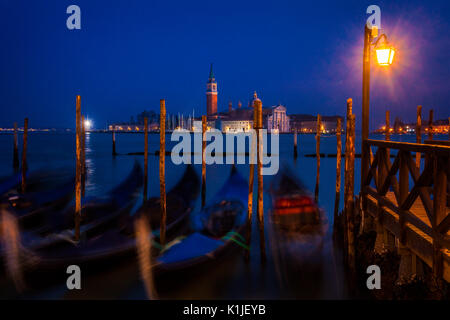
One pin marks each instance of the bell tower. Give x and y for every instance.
(211, 94)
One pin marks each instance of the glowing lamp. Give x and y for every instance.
(385, 55)
(87, 124)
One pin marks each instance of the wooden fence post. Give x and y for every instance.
(319, 129)
(145, 157)
(204, 124)
(338, 172)
(295, 143)
(78, 170)
(382, 169)
(24, 155)
(260, 205)
(388, 128)
(16, 150)
(418, 134)
(439, 210)
(162, 166)
(430, 125)
(403, 183)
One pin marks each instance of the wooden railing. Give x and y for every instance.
(389, 184)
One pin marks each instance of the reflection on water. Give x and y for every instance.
(291, 271)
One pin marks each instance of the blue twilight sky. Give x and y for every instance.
(129, 54)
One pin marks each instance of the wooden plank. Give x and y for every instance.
(438, 142)
(407, 146)
(410, 216)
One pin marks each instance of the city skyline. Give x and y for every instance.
(286, 53)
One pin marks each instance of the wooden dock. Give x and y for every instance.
(413, 219)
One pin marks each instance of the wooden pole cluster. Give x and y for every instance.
(204, 123)
(24, 155)
(338, 170)
(260, 204)
(78, 170)
(114, 141)
(418, 134)
(295, 143)
(16, 150)
(319, 129)
(430, 125)
(145, 157)
(162, 168)
(83, 156)
(349, 185)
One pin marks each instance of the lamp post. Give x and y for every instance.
(385, 56)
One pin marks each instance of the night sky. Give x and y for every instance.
(129, 54)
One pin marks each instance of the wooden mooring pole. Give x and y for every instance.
(16, 150)
(338, 172)
(204, 123)
(145, 157)
(260, 205)
(250, 188)
(24, 155)
(350, 195)
(295, 143)
(83, 156)
(78, 170)
(418, 134)
(162, 167)
(114, 141)
(349, 185)
(319, 129)
(430, 125)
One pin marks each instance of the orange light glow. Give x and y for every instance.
(385, 56)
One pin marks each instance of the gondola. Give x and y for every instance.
(297, 231)
(218, 228)
(293, 207)
(55, 227)
(45, 192)
(98, 213)
(8, 183)
(118, 241)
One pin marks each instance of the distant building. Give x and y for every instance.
(306, 123)
(278, 120)
(128, 127)
(241, 119)
(211, 94)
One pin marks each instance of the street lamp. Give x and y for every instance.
(87, 124)
(385, 55)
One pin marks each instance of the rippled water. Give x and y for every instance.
(228, 278)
